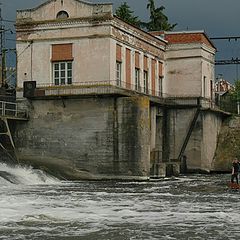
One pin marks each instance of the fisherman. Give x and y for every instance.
(235, 169)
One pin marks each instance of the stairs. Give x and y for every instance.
(189, 132)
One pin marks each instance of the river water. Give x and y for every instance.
(36, 206)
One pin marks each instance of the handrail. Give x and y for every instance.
(10, 109)
(108, 86)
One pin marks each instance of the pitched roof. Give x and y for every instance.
(183, 37)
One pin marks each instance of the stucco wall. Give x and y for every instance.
(186, 67)
(183, 78)
(208, 77)
(91, 61)
(75, 8)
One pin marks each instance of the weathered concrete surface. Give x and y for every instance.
(228, 145)
(91, 138)
(201, 147)
(134, 136)
(211, 126)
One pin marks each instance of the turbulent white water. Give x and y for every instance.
(36, 206)
(23, 175)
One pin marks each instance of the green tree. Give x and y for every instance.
(126, 14)
(235, 93)
(158, 20)
(230, 102)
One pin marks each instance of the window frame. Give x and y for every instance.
(145, 82)
(64, 72)
(137, 79)
(160, 86)
(119, 73)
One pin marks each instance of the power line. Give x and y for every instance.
(225, 38)
(227, 62)
(6, 20)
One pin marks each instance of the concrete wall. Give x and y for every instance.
(180, 121)
(202, 144)
(212, 123)
(134, 136)
(90, 138)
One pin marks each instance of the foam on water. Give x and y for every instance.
(24, 175)
(198, 207)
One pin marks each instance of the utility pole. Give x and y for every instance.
(3, 50)
(3, 55)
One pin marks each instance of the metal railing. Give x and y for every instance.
(115, 86)
(12, 110)
(98, 86)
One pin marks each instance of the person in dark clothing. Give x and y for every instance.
(235, 169)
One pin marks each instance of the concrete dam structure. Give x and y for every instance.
(109, 137)
(107, 100)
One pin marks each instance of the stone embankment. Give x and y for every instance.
(228, 145)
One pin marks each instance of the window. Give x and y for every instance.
(137, 79)
(145, 82)
(204, 87)
(62, 15)
(119, 73)
(211, 89)
(160, 80)
(62, 73)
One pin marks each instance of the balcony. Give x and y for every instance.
(114, 87)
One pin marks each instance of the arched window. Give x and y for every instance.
(62, 15)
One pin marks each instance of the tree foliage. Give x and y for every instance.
(126, 14)
(236, 91)
(158, 20)
(230, 100)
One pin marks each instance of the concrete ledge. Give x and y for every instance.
(65, 170)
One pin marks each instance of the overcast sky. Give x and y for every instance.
(216, 17)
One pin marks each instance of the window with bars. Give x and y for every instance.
(62, 73)
(145, 82)
(137, 79)
(119, 73)
(160, 87)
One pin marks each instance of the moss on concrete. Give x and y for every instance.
(228, 145)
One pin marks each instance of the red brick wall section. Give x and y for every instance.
(160, 69)
(188, 38)
(137, 58)
(128, 68)
(118, 53)
(153, 76)
(145, 63)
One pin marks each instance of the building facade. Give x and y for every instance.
(100, 93)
